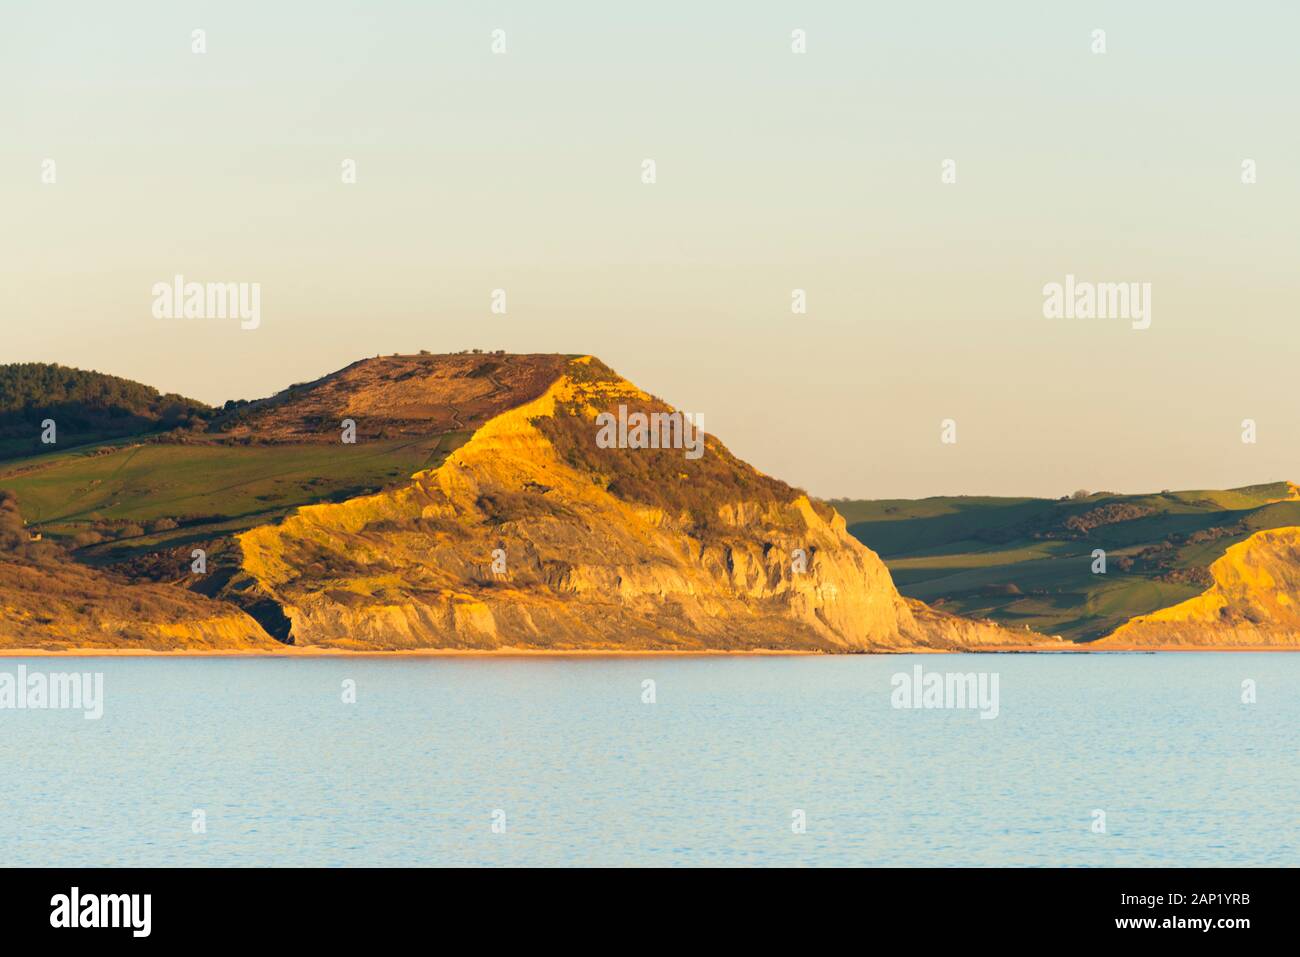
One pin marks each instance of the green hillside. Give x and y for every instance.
(113, 501)
(137, 479)
(86, 407)
(1028, 561)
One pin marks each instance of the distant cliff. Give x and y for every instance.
(1254, 602)
(1080, 566)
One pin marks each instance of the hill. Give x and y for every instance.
(532, 535)
(475, 510)
(85, 406)
(1029, 562)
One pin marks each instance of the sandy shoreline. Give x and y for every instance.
(290, 652)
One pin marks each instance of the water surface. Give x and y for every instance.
(710, 774)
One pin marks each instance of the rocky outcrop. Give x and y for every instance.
(532, 536)
(1253, 603)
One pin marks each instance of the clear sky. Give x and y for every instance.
(775, 171)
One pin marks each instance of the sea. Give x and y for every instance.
(1080, 760)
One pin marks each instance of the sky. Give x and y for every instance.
(774, 171)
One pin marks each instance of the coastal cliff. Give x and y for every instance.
(531, 536)
(1254, 602)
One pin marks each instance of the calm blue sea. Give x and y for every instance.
(582, 771)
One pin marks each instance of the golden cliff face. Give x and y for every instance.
(530, 536)
(1253, 603)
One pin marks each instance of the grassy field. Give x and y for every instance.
(1029, 561)
(129, 493)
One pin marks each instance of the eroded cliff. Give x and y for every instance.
(1254, 602)
(533, 536)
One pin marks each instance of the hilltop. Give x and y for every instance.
(393, 397)
(475, 511)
